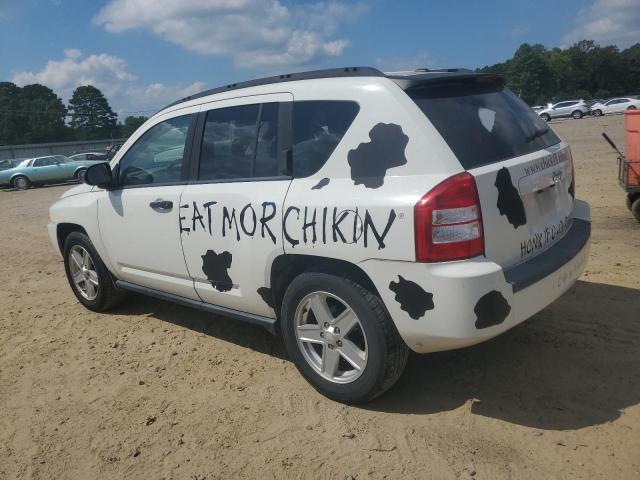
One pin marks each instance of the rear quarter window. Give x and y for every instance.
(483, 124)
(318, 127)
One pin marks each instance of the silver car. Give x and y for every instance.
(568, 108)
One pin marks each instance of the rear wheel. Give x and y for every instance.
(631, 107)
(597, 113)
(21, 182)
(341, 338)
(577, 114)
(635, 208)
(545, 117)
(79, 175)
(88, 276)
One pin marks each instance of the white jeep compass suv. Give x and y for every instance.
(360, 214)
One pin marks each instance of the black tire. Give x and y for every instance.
(635, 208)
(20, 182)
(108, 296)
(386, 351)
(79, 174)
(577, 114)
(631, 107)
(545, 117)
(597, 112)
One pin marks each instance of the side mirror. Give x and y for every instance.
(99, 175)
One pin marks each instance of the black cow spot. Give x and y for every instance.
(412, 297)
(322, 183)
(509, 201)
(265, 293)
(371, 160)
(492, 309)
(215, 268)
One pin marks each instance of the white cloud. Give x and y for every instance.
(608, 22)
(254, 33)
(109, 74)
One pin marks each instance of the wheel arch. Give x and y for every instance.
(19, 174)
(63, 230)
(286, 267)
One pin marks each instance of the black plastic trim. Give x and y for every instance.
(289, 77)
(266, 322)
(527, 273)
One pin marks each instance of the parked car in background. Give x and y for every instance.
(7, 164)
(81, 157)
(615, 105)
(538, 108)
(43, 170)
(569, 108)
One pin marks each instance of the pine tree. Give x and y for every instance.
(90, 113)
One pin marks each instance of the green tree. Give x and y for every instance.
(131, 124)
(31, 114)
(91, 115)
(528, 74)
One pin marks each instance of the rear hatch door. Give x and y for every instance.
(523, 171)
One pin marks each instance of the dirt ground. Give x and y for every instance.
(154, 390)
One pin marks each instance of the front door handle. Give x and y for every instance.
(162, 205)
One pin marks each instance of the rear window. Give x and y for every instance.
(483, 124)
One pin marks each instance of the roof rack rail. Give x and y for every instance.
(288, 77)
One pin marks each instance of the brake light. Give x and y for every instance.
(448, 221)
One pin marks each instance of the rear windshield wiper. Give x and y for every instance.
(538, 133)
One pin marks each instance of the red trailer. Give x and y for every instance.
(629, 164)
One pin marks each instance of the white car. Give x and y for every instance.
(569, 108)
(81, 157)
(615, 105)
(359, 214)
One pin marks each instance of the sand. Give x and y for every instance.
(154, 390)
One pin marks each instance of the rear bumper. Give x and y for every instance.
(463, 303)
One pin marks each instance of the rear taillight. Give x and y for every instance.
(448, 221)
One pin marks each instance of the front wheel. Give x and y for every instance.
(79, 175)
(545, 117)
(341, 338)
(88, 276)
(597, 113)
(577, 114)
(21, 182)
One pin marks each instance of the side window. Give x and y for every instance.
(623, 100)
(156, 157)
(240, 142)
(42, 162)
(318, 127)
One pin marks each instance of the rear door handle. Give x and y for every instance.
(162, 205)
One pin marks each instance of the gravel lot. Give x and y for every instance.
(154, 390)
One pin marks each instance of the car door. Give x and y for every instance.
(231, 210)
(559, 109)
(138, 219)
(622, 105)
(44, 170)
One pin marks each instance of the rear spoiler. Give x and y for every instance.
(486, 82)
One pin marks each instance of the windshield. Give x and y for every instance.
(483, 125)
(24, 163)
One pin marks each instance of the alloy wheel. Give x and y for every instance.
(330, 337)
(83, 272)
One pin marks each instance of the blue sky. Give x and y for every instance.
(146, 53)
